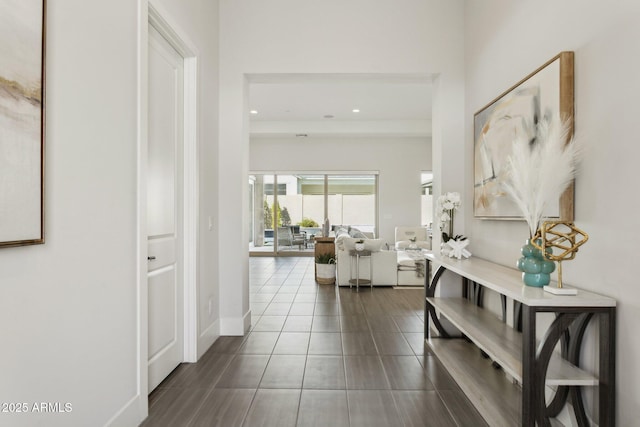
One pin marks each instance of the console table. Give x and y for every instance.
(531, 362)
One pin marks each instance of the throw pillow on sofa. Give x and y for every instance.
(355, 233)
(341, 234)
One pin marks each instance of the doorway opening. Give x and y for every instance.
(156, 26)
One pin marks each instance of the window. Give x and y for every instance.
(426, 199)
(268, 189)
(352, 201)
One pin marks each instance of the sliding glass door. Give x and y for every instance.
(426, 201)
(352, 201)
(261, 218)
(288, 210)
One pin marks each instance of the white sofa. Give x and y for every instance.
(410, 271)
(390, 267)
(383, 263)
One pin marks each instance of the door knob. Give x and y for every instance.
(151, 258)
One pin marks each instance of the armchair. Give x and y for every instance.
(298, 237)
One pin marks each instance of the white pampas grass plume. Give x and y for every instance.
(539, 171)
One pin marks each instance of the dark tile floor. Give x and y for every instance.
(316, 356)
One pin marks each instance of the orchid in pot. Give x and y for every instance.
(448, 203)
(453, 245)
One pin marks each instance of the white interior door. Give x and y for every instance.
(164, 208)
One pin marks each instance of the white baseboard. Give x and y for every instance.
(136, 410)
(131, 414)
(208, 337)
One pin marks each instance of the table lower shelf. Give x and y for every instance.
(494, 396)
(503, 343)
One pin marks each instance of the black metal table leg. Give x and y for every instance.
(430, 310)
(608, 368)
(529, 392)
(427, 274)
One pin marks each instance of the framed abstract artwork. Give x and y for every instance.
(546, 93)
(22, 90)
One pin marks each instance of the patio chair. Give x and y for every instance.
(285, 237)
(299, 237)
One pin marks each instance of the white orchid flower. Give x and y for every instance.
(454, 197)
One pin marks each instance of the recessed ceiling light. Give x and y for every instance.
(328, 116)
(254, 111)
(355, 110)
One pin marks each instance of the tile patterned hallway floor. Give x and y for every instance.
(316, 356)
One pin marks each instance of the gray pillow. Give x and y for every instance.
(357, 234)
(341, 231)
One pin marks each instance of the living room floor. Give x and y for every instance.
(316, 356)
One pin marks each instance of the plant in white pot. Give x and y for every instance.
(325, 268)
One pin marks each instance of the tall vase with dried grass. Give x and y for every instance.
(540, 170)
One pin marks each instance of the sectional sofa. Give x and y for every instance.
(392, 266)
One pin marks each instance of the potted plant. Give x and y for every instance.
(359, 245)
(325, 268)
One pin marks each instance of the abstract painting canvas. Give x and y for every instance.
(545, 93)
(21, 121)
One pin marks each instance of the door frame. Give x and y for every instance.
(150, 13)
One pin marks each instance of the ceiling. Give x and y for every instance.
(322, 106)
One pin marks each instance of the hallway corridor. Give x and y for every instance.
(316, 356)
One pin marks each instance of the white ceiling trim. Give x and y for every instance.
(313, 172)
(377, 128)
(392, 78)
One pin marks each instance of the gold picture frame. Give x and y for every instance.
(548, 92)
(22, 122)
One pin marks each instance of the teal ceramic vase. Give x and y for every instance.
(536, 271)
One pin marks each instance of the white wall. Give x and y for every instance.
(68, 308)
(398, 161)
(505, 41)
(289, 36)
